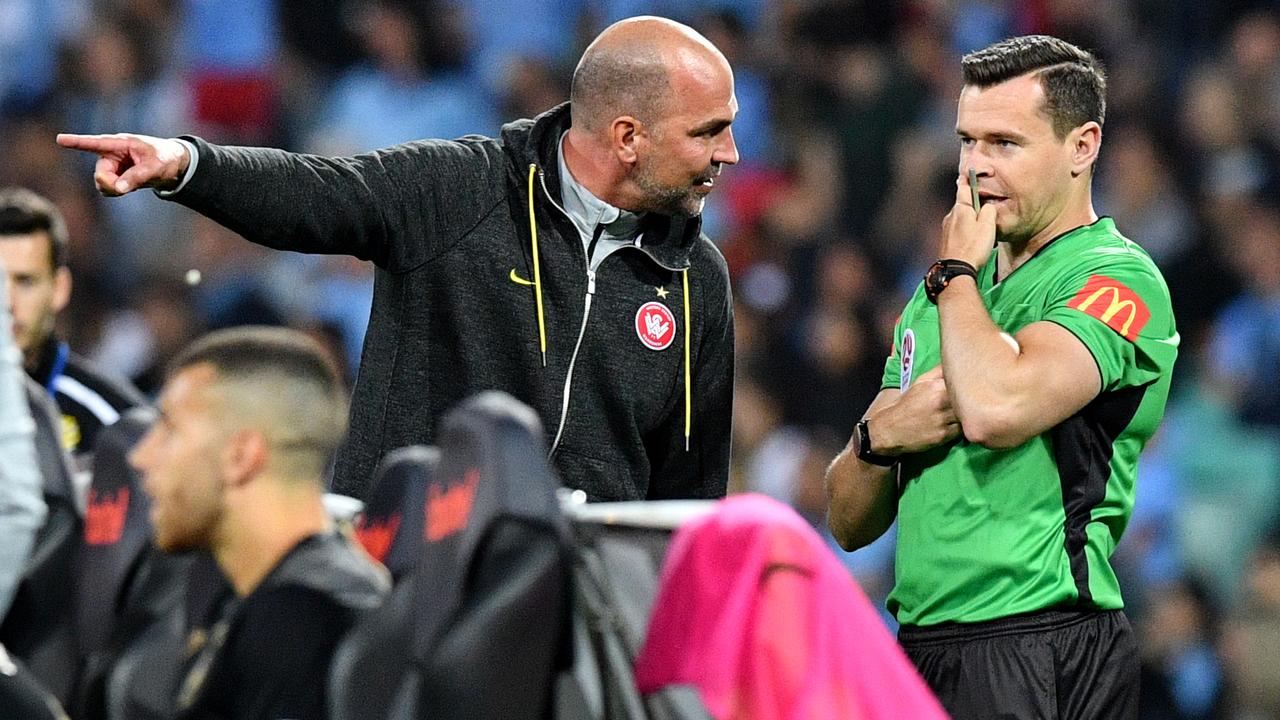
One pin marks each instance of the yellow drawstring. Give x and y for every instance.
(542, 326)
(537, 270)
(688, 391)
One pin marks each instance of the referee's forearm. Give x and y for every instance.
(862, 499)
(980, 367)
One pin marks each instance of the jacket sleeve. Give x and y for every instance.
(22, 508)
(397, 207)
(703, 470)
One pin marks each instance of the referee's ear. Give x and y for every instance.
(1085, 142)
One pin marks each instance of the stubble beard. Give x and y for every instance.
(669, 200)
(1019, 234)
(22, 337)
(31, 339)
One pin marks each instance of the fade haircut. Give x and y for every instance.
(1074, 82)
(284, 383)
(23, 212)
(609, 83)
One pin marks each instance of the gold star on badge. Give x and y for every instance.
(662, 292)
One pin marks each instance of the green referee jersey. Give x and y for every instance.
(985, 534)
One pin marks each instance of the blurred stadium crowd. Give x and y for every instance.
(848, 160)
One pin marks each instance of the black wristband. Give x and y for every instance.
(942, 273)
(864, 448)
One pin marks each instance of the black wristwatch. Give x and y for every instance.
(942, 273)
(864, 448)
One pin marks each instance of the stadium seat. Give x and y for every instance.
(391, 531)
(143, 683)
(370, 675)
(22, 696)
(390, 528)
(485, 611)
(39, 627)
(124, 586)
(619, 550)
(116, 535)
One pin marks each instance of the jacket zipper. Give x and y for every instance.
(582, 331)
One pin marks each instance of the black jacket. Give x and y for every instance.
(267, 656)
(89, 398)
(455, 311)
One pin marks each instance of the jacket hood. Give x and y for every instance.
(667, 240)
(328, 563)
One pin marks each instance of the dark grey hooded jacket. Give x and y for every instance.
(460, 305)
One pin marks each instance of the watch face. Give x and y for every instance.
(940, 275)
(934, 281)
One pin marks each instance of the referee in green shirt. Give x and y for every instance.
(1023, 384)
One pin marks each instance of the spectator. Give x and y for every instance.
(1244, 353)
(30, 32)
(1253, 636)
(1182, 674)
(411, 86)
(33, 245)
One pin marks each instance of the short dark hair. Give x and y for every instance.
(1074, 81)
(23, 212)
(304, 392)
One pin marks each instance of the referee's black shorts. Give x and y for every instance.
(1051, 665)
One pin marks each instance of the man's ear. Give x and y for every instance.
(61, 288)
(626, 133)
(244, 456)
(1086, 143)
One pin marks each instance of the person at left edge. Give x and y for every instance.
(33, 246)
(562, 262)
(22, 507)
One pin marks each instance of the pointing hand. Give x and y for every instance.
(128, 162)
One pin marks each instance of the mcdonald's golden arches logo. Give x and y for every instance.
(1112, 302)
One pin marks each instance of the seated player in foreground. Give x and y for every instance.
(235, 465)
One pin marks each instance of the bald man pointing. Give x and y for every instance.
(562, 262)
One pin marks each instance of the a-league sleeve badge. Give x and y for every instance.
(908, 359)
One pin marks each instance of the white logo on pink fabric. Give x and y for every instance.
(655, 326)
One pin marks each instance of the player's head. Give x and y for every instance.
(33, 251)
(1030, 123)
(1074, 83)
(660, 97)
(240, 407)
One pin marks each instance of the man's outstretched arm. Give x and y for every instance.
(397, 207)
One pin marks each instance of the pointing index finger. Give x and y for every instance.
(92, 143)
